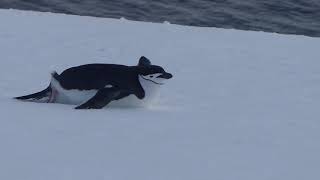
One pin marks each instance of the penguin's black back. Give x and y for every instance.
(97, 76)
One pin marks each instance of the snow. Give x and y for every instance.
(241, 105)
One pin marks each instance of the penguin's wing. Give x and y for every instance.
(101, 98)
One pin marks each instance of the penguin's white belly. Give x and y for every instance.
(77, 97)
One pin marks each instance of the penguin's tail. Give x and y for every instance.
(41, 96)
(44, 96)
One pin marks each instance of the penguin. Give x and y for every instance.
(94, 86)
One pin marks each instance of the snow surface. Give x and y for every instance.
(241, 105)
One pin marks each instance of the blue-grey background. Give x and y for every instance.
(282, 16)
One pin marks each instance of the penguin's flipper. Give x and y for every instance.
(101, 98)
(41, 96)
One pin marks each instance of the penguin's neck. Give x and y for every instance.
(151, 89)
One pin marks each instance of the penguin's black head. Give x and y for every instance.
(152, 73)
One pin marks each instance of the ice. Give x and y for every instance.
(242, 105)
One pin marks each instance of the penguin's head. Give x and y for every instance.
(152, 73)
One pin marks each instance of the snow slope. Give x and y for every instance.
(241, 105)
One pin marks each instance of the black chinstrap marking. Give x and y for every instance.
(151, 81)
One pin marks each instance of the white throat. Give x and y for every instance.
(150, 88)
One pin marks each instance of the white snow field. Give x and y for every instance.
(241, 106)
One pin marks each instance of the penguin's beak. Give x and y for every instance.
(165, 76)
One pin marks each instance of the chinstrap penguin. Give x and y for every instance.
(93, 86)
